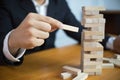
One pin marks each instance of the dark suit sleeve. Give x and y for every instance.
(105, 40)
(71, 20)
(6, 26)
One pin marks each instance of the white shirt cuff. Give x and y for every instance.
(109, 44)
(7, 53)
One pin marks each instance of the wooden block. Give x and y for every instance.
(107, 65)
(99, 66)
(92, 46)
(66, 75)
(117, 56)
(91, 12)
(92, 63)
(93, 52)
(86, 60)
(88, 20)
(100, 59)
(93, 55)
(81, 76)
(94, 21)
(98, 73)
(93, 25)
(93, 40)
(70, 28)
(89, 66)
(93, 16)
(88, 33)
(92, 70)
(99, 29)
(72, 70)
(99, 8)
(116, 62)
(91, 73)
(93, 35)
(102, 20)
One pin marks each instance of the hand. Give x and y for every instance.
(116, 44)
(32, 32)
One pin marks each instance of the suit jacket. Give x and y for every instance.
(13, 12)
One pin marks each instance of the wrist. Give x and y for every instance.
(11, 45)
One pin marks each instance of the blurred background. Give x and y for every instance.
(112, 15)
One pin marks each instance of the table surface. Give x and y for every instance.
(47, 65)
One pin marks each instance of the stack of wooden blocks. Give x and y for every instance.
(92, 50)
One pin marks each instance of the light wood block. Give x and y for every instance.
(72, 70)
(89, 12)
(93, 25)
(93, 35)
(81, 76)
(93, 16)
(94, 21)
(66, 75)
(70, 28)
(92, 66)
(92, 63)
(93, 52)
(92, 46)
(102, 20)
(116, 62)
(107, 65)
(99, 8)
(117, 56)
(93, 55)
(92, 70)
(99, 29)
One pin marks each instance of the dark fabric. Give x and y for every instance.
(12, 13)
(105, 41)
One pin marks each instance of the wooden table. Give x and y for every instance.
(47, 65)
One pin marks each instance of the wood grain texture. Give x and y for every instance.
(47, 65)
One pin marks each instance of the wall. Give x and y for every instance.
(75, 5)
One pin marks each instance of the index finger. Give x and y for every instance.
(53, 22)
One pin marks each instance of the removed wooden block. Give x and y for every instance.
(81, 76)
(72, 70)
(70, 28)
(66, 75)
(116, 62)
(117, 56)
